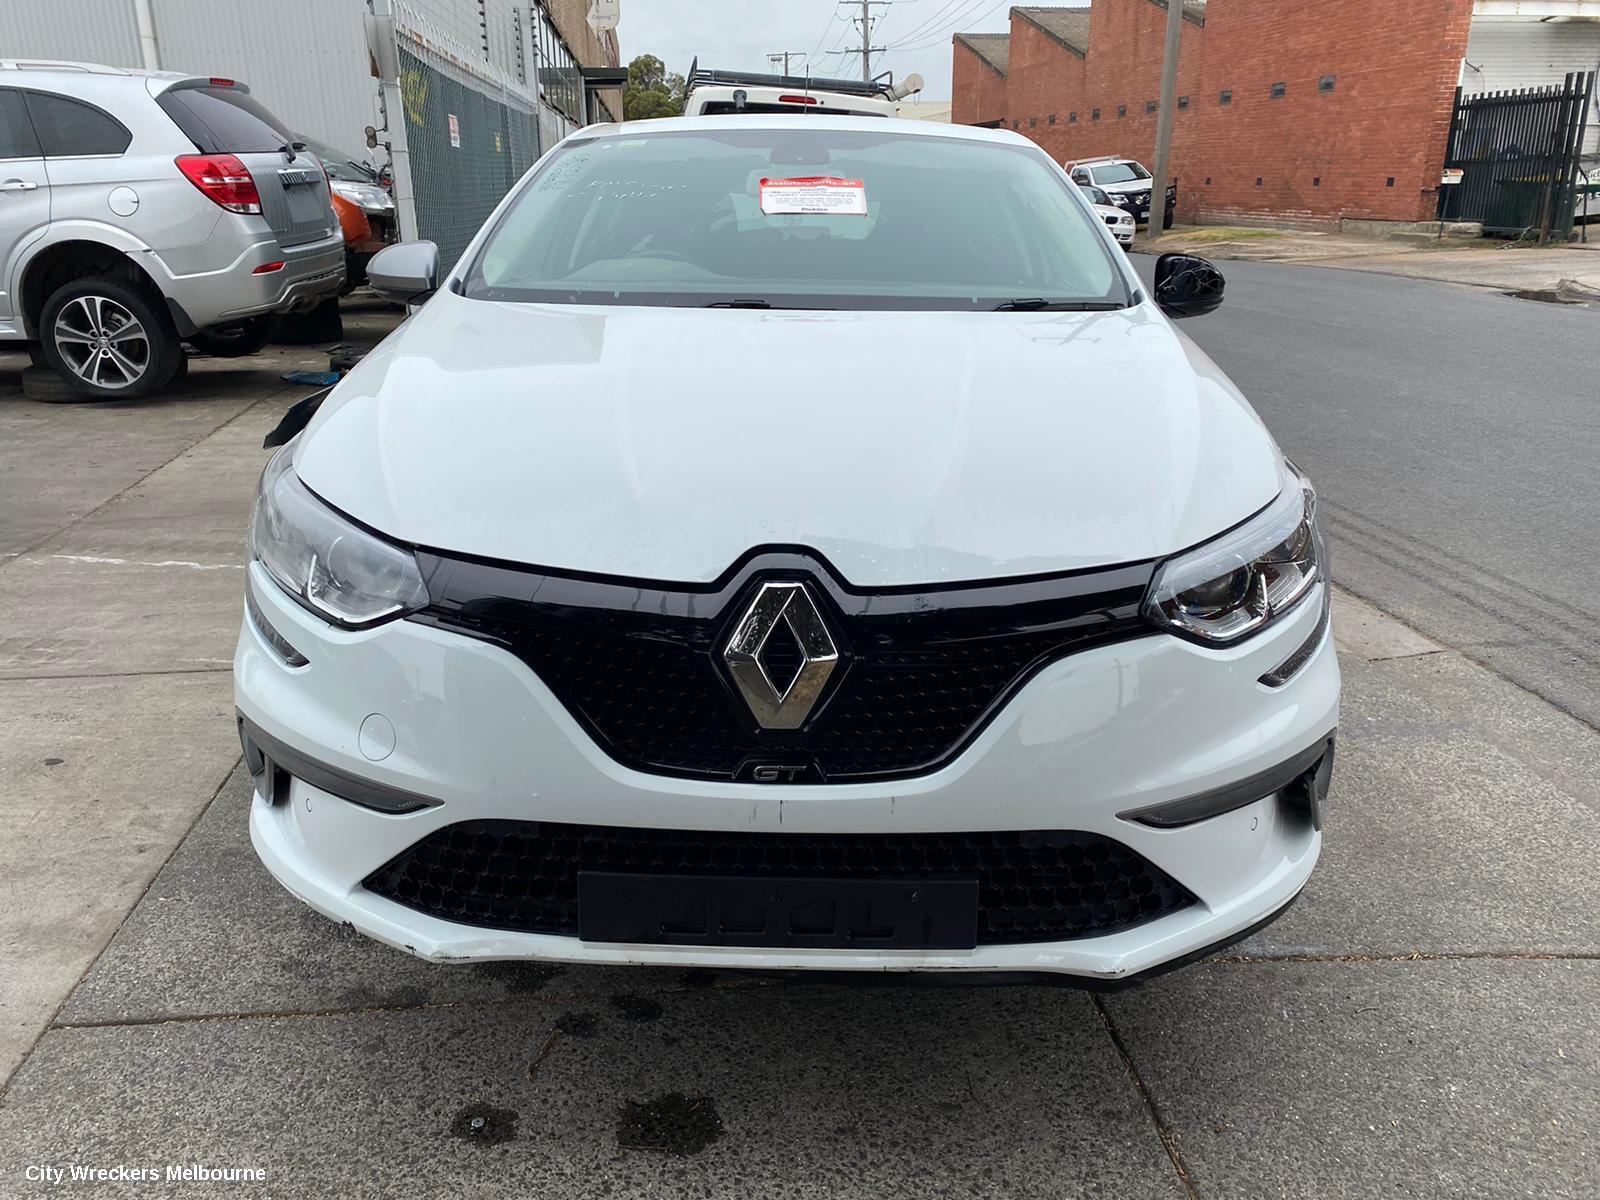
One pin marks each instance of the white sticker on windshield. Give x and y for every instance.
(824, 195)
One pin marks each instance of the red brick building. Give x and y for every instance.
(1296, 111)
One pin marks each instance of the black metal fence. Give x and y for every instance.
(1517, 154)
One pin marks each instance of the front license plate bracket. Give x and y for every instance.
(721, 910)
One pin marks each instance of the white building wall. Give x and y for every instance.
(97, 31)
(460, 20)
(306, 60)
(1506, 54)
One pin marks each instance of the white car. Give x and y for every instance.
(1118, 220)
(1127, 184)
(790, 543)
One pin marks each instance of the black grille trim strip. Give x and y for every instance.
(637, 663)
(1033, 886)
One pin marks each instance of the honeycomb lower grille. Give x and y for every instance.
(1032, 886)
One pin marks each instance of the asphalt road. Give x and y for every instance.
(1454, 436)
(1421, 1024)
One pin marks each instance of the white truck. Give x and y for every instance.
(714, 93)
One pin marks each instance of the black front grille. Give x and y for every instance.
(921, 672)
(1032, 886)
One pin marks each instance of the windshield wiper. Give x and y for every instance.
(1039, 304)
(753, 303)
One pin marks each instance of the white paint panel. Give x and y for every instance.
(98, 31)
(1502, 55)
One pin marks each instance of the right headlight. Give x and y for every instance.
(329, 564)
(1239, 583)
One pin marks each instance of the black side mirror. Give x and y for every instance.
(1187, 285)
(406, 272)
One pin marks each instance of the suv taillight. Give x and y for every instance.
(224, 179)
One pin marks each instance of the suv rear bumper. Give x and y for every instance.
(310, 274)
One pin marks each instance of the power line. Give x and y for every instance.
(832, 17)
(866, 22)
(925, 26)
(784, 56)
(940, 40)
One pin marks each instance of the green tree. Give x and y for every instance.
(651, 92)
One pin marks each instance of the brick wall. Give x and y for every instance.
(978, 91)
(1369, 143)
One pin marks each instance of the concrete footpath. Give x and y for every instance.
(1573, 270)
(1423, 1023)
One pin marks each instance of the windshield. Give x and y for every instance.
(1120, 173)
(1096, 196)
(790, 215)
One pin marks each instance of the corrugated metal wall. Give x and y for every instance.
(306, 60)
(99, 31)
(1502, 55)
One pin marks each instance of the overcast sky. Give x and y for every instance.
(739, 34)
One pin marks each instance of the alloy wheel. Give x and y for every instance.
(102, 343)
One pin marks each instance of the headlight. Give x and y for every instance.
(1244, 580)
(365, 196)
(1119, 200)
(338, 570)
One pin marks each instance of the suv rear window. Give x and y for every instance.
(719, 108)
(68, 127)
(223, 120)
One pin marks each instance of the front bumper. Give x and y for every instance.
(1100, 733)
(1139, 206)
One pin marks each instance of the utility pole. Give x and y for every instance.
(1169, 103)
(785, 55)
(865, 22)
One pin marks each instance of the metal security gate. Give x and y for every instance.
(1517, 158)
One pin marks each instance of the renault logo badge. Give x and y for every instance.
(789, 706)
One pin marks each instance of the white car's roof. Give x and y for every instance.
(930, 129)
(62, 66)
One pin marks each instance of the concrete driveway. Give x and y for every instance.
(1423, 1023)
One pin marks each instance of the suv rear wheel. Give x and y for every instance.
(107, 340)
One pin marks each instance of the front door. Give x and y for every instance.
(24, 198)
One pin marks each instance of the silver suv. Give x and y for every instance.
(142, 209)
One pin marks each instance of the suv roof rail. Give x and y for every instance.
(58, 64)
(699, 75)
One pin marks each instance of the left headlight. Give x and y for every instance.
(365, 196)
(332, 566)
(1241, 582)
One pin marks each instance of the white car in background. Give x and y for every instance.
(710, 92)
(790, 542)
(1126, 182)
(1120, 220)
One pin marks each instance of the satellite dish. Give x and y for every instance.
(908, 86)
